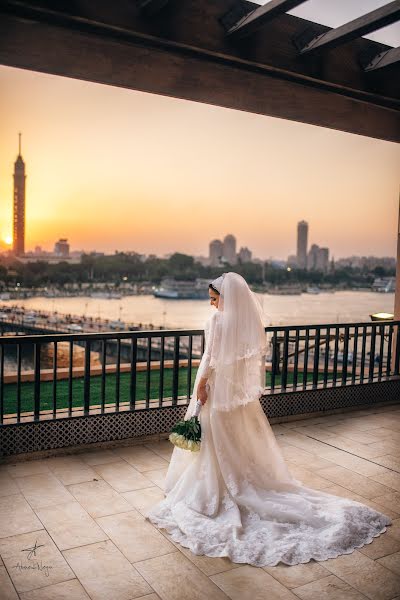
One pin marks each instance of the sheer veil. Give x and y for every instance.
(238, 356)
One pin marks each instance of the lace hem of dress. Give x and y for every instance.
(164, 519)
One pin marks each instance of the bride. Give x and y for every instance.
(236, 496)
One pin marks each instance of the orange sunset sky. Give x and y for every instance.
(110, 169)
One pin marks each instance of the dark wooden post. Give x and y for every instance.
(396, 337)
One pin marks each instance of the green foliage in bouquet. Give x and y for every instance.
(187, 434)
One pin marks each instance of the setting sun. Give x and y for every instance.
(8, 240)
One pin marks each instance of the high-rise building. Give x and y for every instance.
(19, 205)
(244, 255)
(318, 259)
(230, 249)
(61, 248)
(302, 235)
(216, 252)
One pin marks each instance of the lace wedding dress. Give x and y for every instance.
(237, 498)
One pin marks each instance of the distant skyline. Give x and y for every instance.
(110, 168)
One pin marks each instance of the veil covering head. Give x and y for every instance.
(239, 360)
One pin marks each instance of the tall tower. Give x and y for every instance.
(216, 252)
(19, 205)
(230, 249)
(302, 235)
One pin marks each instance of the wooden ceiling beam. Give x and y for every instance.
(184, 53)
(384, 59)
(151, 7)
(256, 18)
(385, 15)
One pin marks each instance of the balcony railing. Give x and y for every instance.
(61, 376)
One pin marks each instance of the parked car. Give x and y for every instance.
(74, 327)
(117, 324)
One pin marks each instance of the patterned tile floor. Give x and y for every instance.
(72, 526)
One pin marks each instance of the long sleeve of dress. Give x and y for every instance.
(212, 332)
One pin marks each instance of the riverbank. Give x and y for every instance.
(327, 307)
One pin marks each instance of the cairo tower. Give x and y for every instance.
(19, 205)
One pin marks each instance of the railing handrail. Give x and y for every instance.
(157, 333)
(113, 335)
(362, 352)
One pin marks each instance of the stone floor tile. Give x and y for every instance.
(28, 467)
(16, 516)
(391, 562)
(386, 446)
(164, 448)
(387, 433)
(121, 476)
(71, 469)
(367, 576)
(67, 590)
(141, 458)
(305, 443)
(359, 484)
(99, 457)
(43, 490)
(362, 450)
(296, 575)
(390, 501)
(207, 564)
(69, 525)
(381, 546)
(105, 573)
(7, 590)
(395, 529)
(328, 588)
(7, 484)
(134, 536)
(251, 583)
(42, 565)
(174, 577)
(338, 490)
(157, 476)
(308, 478)
(391, 480)
(144, 499)
(389, 461)
(363, 437)
(359, 465)
(303, 458)
(98, 498)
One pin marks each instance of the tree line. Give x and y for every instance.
(123, 267)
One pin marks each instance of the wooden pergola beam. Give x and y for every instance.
(151, 7)
(384, 59)
(256, 18)
(385, 15)
(183, 52)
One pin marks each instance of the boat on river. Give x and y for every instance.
(174, 289)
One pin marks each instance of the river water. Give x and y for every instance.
(336, 307)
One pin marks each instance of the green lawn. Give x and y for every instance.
(46, 389)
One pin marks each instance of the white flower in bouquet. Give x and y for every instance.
(187, 434)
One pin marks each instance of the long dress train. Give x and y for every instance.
(237, 498)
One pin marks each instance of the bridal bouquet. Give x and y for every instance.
(187, 434)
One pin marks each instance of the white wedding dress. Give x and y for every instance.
(237, 498)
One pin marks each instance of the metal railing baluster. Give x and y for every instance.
(54, 390)
(189, 368)
(161, 378)
(36, 385)
(133, 374)
(148, 371)
(175, 374)
(306, 351)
